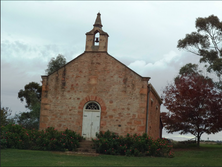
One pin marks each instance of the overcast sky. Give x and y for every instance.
(142, 34)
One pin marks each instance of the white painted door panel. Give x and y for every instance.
(95, 123)
(91, 124)
(86, 129)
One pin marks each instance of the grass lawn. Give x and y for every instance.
(206, 155)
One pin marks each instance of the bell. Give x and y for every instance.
(97, 40)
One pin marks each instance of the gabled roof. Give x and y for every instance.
(143, 78)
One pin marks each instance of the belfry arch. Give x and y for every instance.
(96, 38)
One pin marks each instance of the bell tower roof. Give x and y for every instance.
(97, 39)
(98, 21)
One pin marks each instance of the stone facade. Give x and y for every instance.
(95, 75)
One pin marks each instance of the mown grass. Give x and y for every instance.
(206, 155)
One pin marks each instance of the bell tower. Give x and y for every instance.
(97, 39)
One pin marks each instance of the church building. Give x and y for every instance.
(95, 92)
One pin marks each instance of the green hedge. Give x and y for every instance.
(15, 136)
(131, 145)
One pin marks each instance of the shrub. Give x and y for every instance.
(72, 139)
(51, 139)
(15, 136)
(3, 141)
(131, 145)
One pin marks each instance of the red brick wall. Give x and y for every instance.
(121, 93)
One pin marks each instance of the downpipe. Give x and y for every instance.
(147, 109)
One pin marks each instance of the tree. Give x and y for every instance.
(194, 104)
(189, 69)
(28, 120)
(31, 94)
(5, 113)
(206, 43)
(55, 64)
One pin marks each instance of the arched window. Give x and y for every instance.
(92, 106)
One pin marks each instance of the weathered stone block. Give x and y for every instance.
(46, 107)
(44, 112)
(141, 128)
(143, 116)
(143, 91)
(103, 123)
(137, 122)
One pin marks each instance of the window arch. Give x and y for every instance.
(92, 106)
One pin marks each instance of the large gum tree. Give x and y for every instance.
(206, 42)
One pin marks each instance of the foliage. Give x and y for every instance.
(18, 137)
(206, 42)
(28, 120)
(189, 69)
(51, 139)
(15, 135)
(31, 94)
(131, 145)
(194, 105)
(3, 141)
(55, 64)
(5, 113)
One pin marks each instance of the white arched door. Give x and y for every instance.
(91, 120)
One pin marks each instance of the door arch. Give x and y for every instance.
(91, 119)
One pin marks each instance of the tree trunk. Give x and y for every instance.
(198, 140)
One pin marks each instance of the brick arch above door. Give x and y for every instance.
(92, 98)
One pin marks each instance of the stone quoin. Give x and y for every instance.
(95, 92)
